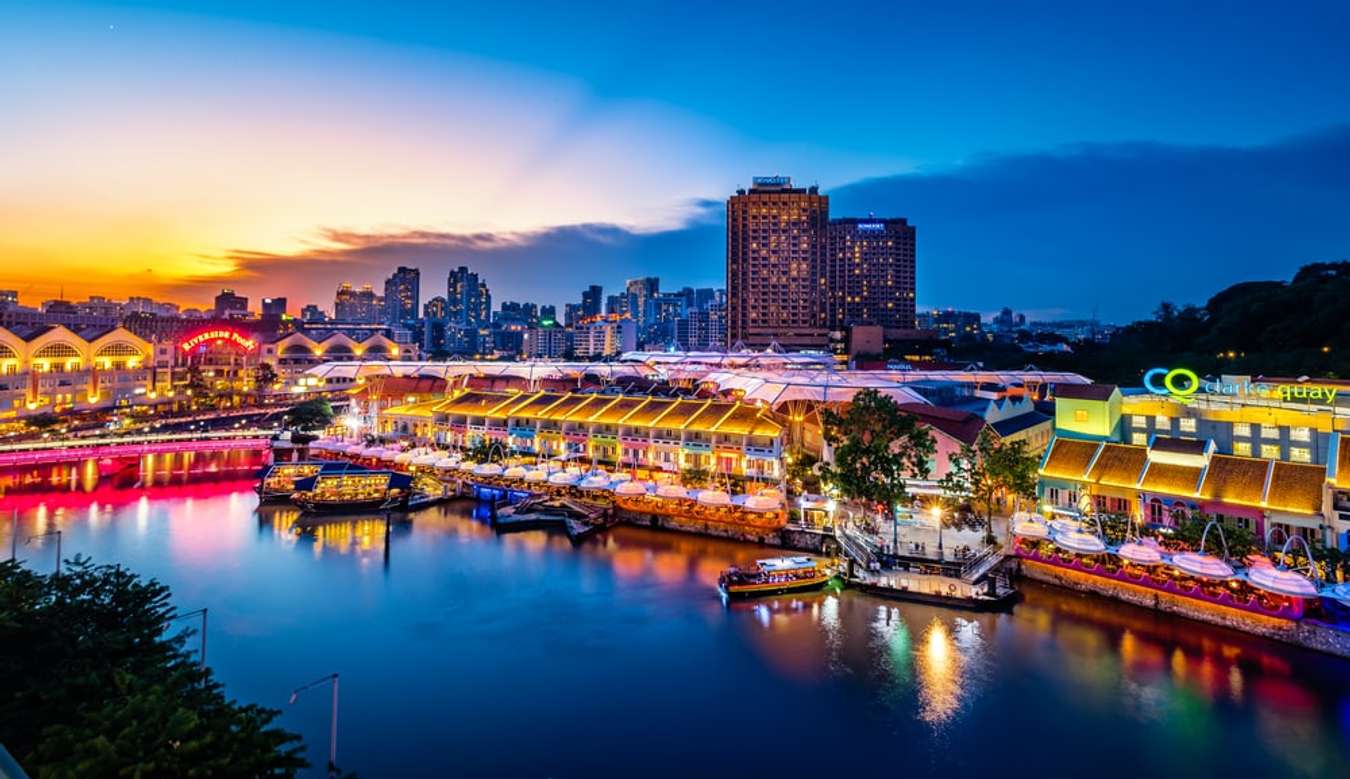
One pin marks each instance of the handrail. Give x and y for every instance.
(89, 443)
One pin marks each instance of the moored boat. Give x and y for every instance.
(773, 576)
(278, 479)
(353, 492)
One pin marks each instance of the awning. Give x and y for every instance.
(1079, 542)
(1203, 565)
(1281, 582)
(1139, 554)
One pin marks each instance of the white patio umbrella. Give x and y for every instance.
(630, 488)
(714, 498)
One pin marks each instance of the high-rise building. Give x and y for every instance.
(358, 305)
(312, 313)
(273, 308)
(572, 314)
(548, 313)
(776, 241)
(402, 295)
(616, 304)
(604, 338)
(703, 330)
(229, 304)
(469, 302)
(638, 293)
(869, 273)
(950, 323)
(546, 342)
(592, 299)
(436, 308)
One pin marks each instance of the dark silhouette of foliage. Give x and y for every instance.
(876, 447)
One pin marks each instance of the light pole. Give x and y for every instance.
(937, 518)
(56, 533)
(201, 654)
(332, 731)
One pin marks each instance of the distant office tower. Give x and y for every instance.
(638, 293)
(358, 305)
(950, 323)
(604, 338)
(572, 314)
(312, 313)
(776, 237)
(616, 304)
(548, 313)
(661, 314)
(229, 304)
(402, 295)
(545, 342)
(436, 308)
(869, 273)
(273, 308)
(703, 330)
(469, 301)
(592, 299)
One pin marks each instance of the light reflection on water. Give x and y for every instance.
(450, 637)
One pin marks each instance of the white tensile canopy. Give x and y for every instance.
(1139, 554)
(1203, 565)
(1282, 582)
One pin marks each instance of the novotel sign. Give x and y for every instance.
(771, 181)
(1183, 383)
(223, 335)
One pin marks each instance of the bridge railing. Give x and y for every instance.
(91, 443)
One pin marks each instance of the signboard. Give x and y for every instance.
(1183, 383)
(772, 181)
(219, 335)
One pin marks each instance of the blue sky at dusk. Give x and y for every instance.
(1060, 158)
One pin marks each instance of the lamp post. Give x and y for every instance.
(201, 653)
(56, 533)
(937, 519)
(332, 731)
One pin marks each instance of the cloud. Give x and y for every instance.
(1118, 227)
(550, 265)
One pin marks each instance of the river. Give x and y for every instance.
(465, 653)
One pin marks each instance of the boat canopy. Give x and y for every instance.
(776, 564)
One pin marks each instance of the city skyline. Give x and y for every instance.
(382, 139)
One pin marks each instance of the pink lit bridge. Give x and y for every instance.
(50, 452)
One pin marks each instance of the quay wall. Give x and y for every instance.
(1304, 633)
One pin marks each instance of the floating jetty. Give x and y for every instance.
(579, 520)
(973, 583)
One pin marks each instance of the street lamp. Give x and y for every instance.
(56, 533)
(936, 511)
(332, 731)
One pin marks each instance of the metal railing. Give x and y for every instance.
(89, 443)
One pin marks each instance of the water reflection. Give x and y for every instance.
(633, 616)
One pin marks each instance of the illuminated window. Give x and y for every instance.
(1139, 439)
(1162, 423)
(1140, 420)
(1270, 451)
(1242, 429)
(1299, 454)
(1242, 448)
(1270, 431)
(1300, 434)
(1080, 415)
(1187, 424)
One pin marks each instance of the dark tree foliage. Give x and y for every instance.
(877, 446)
(1272, 328)
(98, 684)
(311, 414)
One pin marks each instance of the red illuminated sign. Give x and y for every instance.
(226, 335)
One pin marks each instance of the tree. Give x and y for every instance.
(311, 415)
(986, 473)
(44, 421)
(96, 686)
(1191, 528)
(801, 470)
(483, 449)
(694, 476)
(264, 376)
(876, 448)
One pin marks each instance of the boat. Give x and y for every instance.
(773, 576)
(278, 479)
(353, 492)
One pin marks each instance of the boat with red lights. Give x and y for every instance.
(774, 576)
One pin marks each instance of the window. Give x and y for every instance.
(1242, 429)
(1162, 423)
(1187, 424)
(1139, 439)
(1080, 415)
(1270, 451)
(1140, 420)
(1270, 431)
(1300, 434)
(1242, 448)
(1300, 454)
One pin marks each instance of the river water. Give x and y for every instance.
(465, 653)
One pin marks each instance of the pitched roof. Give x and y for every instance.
(1171, 479)
(1069, 458)
(398, 386)
(475, 402)
(1017, 424)
(1119, 465)
(1232, 479)
(964, 426)
(1085, 391)
(1296, 488)
(1178, 445)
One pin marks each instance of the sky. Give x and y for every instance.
(1065, 159)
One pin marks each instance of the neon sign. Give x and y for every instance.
(227, 335)
(1182, 383)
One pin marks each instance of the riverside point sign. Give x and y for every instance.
(224, 335)
(1183, 383)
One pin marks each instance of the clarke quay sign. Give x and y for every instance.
(1183, 383)
(221, 335)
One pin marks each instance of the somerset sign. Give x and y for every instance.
(222, 335)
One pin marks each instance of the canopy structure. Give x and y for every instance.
(714, 498)
(1139, 554)
(430, 458)
(1066, 525)
(778, 388)
(1205, 566)
(761, 502)
(514, 472)
(457, 371)
(594, 481)
(1029, 526)
(403, 458)
(1281, 582)
(563, 479)
(1079, 542)
(446, 464)
(536, 476)
(672, 491)
(487, 469)
(630, 488)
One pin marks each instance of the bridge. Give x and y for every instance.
(76, 449)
